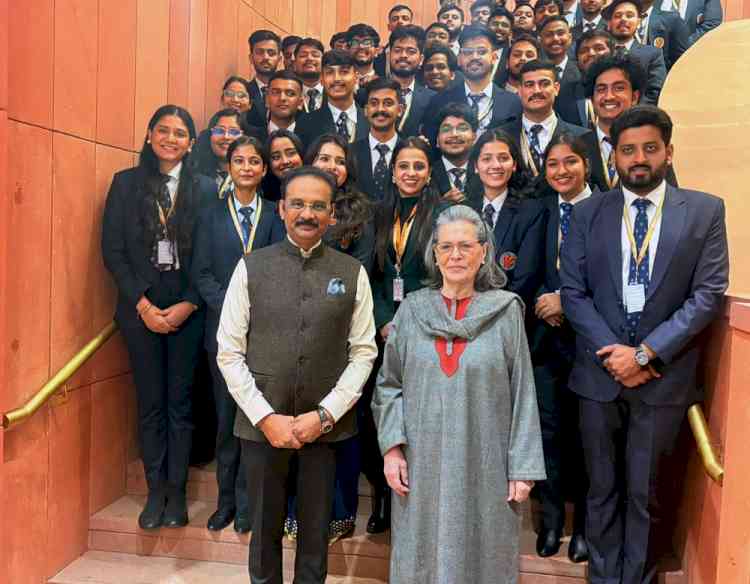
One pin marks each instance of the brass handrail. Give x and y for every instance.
(53, 385)
(700, 430)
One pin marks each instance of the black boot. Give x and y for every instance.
(380, 520)
(548, 542)
(152, 515)
(578, 550)
(175, 514)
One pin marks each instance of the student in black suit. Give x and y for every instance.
(501, 25)
(556, 39)
(147, 245)
(638, 304)
(406, 45)
(364, 43)
(452, 16)
(539, 123)
(518, 222)
(265, 56)
(227, 230)
(591, 18)
(285, 153)
(373, 154)
(523, 48)
(699, 15)
(480, 11)
(457, 132)
(398, 15)
(437, 34)
(623, 18)
(523, 17)
(340, 114)
(493, 106)
(665, 31)
(212, 161)
(552, 343)
(545, 9)
(439, 68)
(284, 102)
(308, 59)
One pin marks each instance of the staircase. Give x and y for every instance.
(120, 552)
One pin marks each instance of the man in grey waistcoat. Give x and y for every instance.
(296, 343)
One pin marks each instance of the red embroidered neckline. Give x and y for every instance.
(449, 363)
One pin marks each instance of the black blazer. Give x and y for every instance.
(519, 243)
(258, 115)
(217, 249)
(127, 256)
(365, 179)
(501, 73)
(420, 101)
(310, 126)
(570, 104)
(651, 60)
(506, 108)
(668, 32)
(443, 182)
(577, 30)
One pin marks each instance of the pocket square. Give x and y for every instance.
(336, 287)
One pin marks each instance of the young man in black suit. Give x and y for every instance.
(591, 18)
(556, 39)
(523, 48)
(406, 45)
(283, 103)
(308, 58)
(383, 109)
(538, 123)
(363, 43)
(501, 25)
(439, 68)
(265, 56)
(665, 31)
(623, 18)
(480, 11)
(492, 105)
(340, 114)
(452, 16)
(398, 15)
(457, 131)
(545, 9)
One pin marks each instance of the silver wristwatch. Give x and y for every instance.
(641, 356)
(325, 423)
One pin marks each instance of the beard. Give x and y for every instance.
(404, 73)
(645, 183)
(309, 75)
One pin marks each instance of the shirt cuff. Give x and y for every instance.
(335, 406)
(257, 409)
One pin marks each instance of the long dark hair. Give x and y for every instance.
(150, 180)
(521, 184)
(271, 183)
(428, 202)
(352, 208)
(577, 145)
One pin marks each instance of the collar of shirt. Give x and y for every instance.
(562, 65)
(390, 143)
(303, 253)
(450, 166)
(654, 196)
(272, 127)
(594, 22)
(497, 203)
(584, 194)
(628, 45)
(174, 180)
(570, 14)
(351, 112)
(487, 92)
(604, 145)
(455, 47)
(261, 85)
(253, 206)
(545, 123)
(307, 88)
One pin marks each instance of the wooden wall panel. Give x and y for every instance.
(197, 61)
(179, 53)
(221, 47)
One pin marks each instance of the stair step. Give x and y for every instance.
(115, 568)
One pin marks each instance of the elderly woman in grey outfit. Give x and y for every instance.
(457, 417)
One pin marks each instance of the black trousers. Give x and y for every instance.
(230, 471)
(370, 458)
(626, 443)
(163, 368)
(563, 452)
(268, 471)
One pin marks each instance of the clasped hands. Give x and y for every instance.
(619, 360)
(164, 320)
(290, 431)
(548, 307)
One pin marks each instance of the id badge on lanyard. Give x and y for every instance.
(398, 288)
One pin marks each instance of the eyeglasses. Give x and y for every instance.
(460, 128)
(464, 248)
(468, 52)
(222, 131)
(367, 43)
(409, 51)
(318, 207)
(229, 94)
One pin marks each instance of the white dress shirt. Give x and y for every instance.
(272, 127)
(351, 122)
(253, 206)
(485, 106)
(593, 23)
(668, 6)
(318, 97)
(450, 166)
(548, 127)
(375, 155)
(232, 350)
(584, 194)
(570, 14)
(173, 183)
(497, 205)
(644, 22)
(604, 145)
(655, 197)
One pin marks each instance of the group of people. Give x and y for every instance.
(459, 264)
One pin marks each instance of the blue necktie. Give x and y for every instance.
(489, 215)
(565, 210)
(246, 223)
(536, 147)
(638, 274)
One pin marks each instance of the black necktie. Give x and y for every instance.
(312, 99)
(164, 200)
(381, 170)
(403, 94)
(458, 178)
(536, 147)
(489, 215)
(342, 126)
(475, 99)
(263, 93)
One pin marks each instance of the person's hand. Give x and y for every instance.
(178, 313)
(155, 321)
(453, 195)
(548, 306)
(646, 374)
(385, 330)
(396, 471)
(518, 491)
(619, 361)
(554, 320)
(278, 431)
(307, 427)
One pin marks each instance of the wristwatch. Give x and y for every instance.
(325, 422)
(641, 356)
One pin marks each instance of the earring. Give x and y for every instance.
(148, 141)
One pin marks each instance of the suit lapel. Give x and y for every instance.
(672, 223)
(263, 230)
(581, 106)
(363, 127)
(504, 220)
(611, 230)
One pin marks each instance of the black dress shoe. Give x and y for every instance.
(153, 512)
(578, 549)
(380, 520)
(242, 523)
(222, 517)
(175, 514)
(548, 542)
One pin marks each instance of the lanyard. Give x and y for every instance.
(611, 182)
(401, 234)
(639, 254)
(164, 218)
(526, 148)
(236, 220)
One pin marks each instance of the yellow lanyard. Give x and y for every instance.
(639, 254)
(401, 234)
(611, 183)
(164, 218)
(236, 220)
(526, 148)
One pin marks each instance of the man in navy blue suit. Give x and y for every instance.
(637, 302)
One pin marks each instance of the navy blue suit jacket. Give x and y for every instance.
(651, 60)
(673, 32)
(420, 101)
(702, 16)
(690, 276)
(217, 249)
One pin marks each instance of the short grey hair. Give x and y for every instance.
(489, 276)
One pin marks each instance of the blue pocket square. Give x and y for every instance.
(336, 287)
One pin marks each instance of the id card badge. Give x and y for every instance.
(398, 289)
(635, 297)
(164, 253)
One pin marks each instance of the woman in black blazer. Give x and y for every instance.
(285, 152)
(147, 244)
(222, 238)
